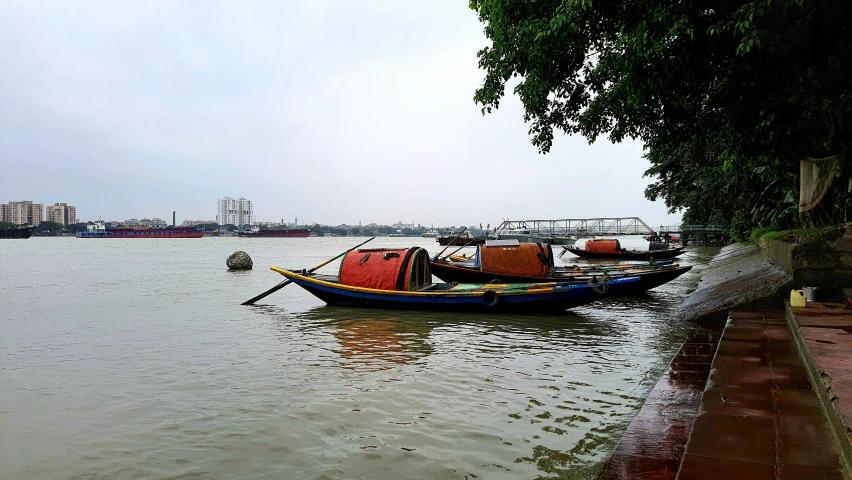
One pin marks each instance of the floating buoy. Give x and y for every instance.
(239, 261)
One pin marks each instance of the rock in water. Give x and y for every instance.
(239, 261)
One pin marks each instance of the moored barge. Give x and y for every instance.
(16, 232)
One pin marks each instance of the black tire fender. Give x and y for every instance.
(490, 299)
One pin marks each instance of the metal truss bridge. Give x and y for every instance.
(605, 226)
(582, 226)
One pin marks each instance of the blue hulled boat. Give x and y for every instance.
(402, 278)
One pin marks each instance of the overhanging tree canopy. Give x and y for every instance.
(726, 96)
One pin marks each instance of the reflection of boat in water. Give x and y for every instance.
(377, 342)
(402, 278)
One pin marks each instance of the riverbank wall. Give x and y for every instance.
(822, 260)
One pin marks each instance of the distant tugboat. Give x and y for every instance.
(98, 229)
(16, 232)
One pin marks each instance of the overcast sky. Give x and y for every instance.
(330, 111)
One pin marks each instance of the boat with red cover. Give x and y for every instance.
(533, 263)
(611, 249)
(402, 278)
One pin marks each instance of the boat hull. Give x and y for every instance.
(627, 255)
(151, 233)
(646, 280)
(291, 233)
(16, 232)
(477, 298)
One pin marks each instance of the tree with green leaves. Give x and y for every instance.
(48, 228)
(727, 96)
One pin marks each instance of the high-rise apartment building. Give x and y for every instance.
(22, 213)
(234, 211)
(61, 213)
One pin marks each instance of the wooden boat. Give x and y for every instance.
(533, 263)
(611, 249)
(402, 278)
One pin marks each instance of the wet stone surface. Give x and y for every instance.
(753, 415)
(760, 418)
(653, 445)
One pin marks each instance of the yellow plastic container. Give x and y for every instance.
(798, 298)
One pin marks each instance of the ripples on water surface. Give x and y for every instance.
(133, 359)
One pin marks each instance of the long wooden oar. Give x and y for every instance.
(288, 282)
(456, 250)
(451, 243)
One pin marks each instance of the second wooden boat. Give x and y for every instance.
(530, 262)
(611, 249)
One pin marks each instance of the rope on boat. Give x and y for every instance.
(601, 287)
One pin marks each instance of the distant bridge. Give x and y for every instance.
(587, 227)
(582, 226)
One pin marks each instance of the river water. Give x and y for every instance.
(132, 358)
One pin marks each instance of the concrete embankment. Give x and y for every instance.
(740, 275)
(768, 402)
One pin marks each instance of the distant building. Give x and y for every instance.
(61, 213)
(22, 213)
(234, 211)
(152, 222)
(192, 223)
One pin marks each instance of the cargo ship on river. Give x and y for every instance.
(98, 230)
(23, 231)
(279, 233)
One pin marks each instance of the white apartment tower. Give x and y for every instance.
(236, 211)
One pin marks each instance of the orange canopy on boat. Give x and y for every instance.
(525, 259)
(603, 245)
(386, 269)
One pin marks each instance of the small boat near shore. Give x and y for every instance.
(611, 250)
(533, 263)
(402, 279)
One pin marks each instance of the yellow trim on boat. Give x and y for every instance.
(547, 287)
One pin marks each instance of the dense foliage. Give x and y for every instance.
(727, 96)
(48, 228)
